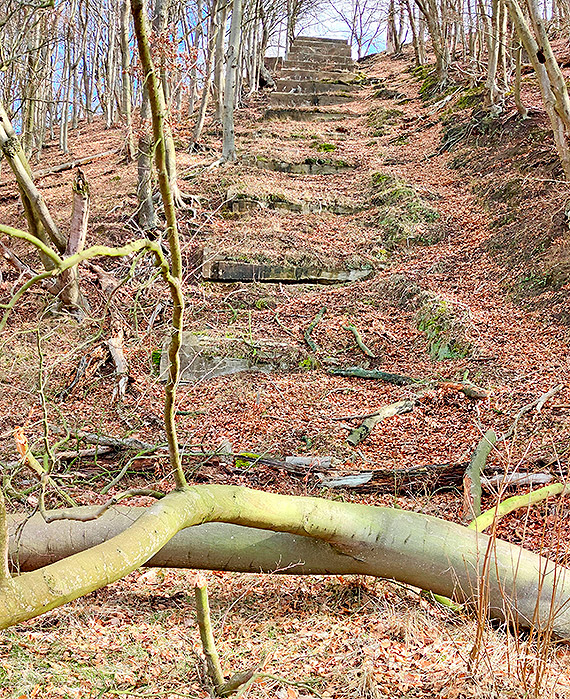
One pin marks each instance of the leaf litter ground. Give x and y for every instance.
(345, 637)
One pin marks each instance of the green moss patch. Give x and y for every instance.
(446, 327)
(403, 214)
(380, 119)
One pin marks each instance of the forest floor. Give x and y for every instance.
(481, 227)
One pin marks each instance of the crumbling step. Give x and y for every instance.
(300, 99)
(320, 63)
(313, 87)
(304, 115)
(311, 166)
(238, 202)
(302, 50)
(215, 269)
(204, 357)
(317, 75)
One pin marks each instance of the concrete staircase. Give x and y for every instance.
(316, 73)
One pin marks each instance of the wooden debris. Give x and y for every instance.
(416, 479)
(129, 443)
(84, 453)
(297, 465)
(72, 163)
(367, 351)
(360, 433)
(538, 404)
(361, 373)
(470, 390)
(15, 261)
(115, 345)
(107, 281)
(308, 332)
(472, 478)
(466, 387)
(68, 282)
(501, 480)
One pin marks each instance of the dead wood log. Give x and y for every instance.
(107, 281)
(359, 341)
(72, 164)
(502, 480)
(415, 479)
(538, 404)
(15, 261)
(361, 373)
(84, 453)
(312, 325)
(466, 387)
(115, 345)
(360, 433)
(296, 465)
(129, 443)
(472, 478)
(68, 284)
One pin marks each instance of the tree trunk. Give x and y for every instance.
(68, 283)
(554, 93)
(413, 548)
(219, 60)
(230, 96)
(208, 74)
(126, 90)
(146, 213)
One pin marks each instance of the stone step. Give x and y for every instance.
(318, 39)
(299, 74)
(229, 271)
(306, 115)
(321, 63)
(239, 201)
(298, 99)
(204, 356)
(298, 51)
(310, 166)
(313, 87)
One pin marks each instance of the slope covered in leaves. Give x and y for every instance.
(422, 218)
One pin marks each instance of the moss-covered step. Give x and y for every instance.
(307, 114)
(310, 166)
(217, 269)
(204, 357)
(299, 99)
(238, 201)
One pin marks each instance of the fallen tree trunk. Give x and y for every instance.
(416, 549)
(423, 479)
(62, 167)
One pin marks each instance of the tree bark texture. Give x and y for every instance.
(413, 548)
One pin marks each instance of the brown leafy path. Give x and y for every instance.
(517, 354)
(355, 639)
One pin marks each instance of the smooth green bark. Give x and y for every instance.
(416, 549)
